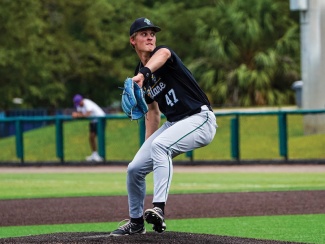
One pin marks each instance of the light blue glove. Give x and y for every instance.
(133, 102)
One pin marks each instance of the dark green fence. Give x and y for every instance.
(282, 128)
(234, 128)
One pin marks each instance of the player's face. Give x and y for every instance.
(145, 40)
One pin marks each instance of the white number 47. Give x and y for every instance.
(171, 98)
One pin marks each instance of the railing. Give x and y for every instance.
(235, 124)
(282, 125)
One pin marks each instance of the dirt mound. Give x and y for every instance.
(151, 237)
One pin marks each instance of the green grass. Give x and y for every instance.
(293, 228)
(258, 140)
(298, 228)
(45, 185)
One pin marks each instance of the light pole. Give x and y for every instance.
(312, 41)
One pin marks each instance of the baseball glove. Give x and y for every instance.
(133, 102)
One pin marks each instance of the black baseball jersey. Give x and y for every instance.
(174, 88)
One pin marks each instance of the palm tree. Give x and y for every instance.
(251, 55)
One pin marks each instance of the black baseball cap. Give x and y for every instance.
(143, 23)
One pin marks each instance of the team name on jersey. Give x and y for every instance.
(154, 91)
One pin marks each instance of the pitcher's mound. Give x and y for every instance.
(150, 237)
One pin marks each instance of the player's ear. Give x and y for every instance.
(132, 39)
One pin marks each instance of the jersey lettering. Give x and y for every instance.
(171, 98)
(157, 89)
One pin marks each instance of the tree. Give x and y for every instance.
(242, 52)
(250, 56)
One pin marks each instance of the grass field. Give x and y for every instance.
(40, 185)
(299, 228)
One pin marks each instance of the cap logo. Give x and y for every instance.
(147, 21)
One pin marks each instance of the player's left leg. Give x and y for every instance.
(193, 132)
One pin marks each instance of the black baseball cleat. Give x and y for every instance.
(155, 216)
(129, 228)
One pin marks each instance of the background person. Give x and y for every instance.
(169, 88)
(87, 108)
